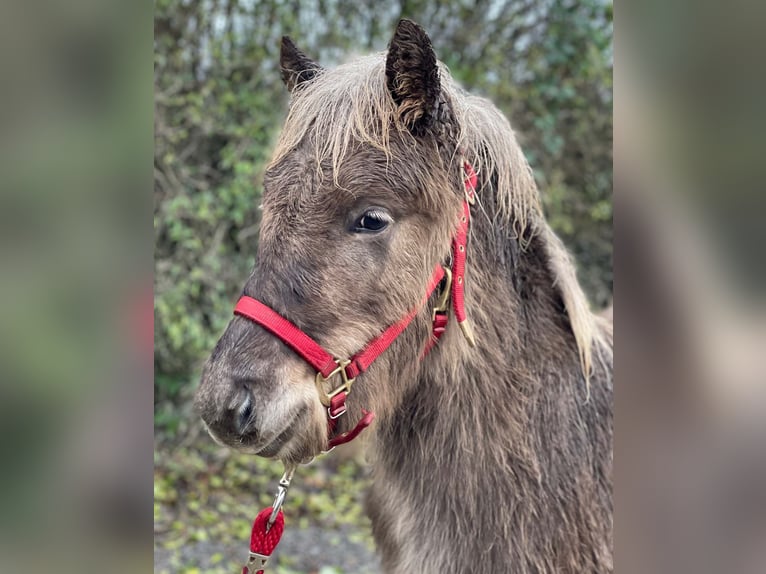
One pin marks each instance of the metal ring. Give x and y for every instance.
(340, 414)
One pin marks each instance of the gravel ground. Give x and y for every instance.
(308, 550)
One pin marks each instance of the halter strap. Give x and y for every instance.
(267, 531)
(308, 349)
(328, 367)
(459, 248)
(311, 351)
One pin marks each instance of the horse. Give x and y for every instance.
(491, 450)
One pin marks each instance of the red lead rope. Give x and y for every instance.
(264, 536)
(263, 540)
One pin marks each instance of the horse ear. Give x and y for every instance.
(296, 66)
(412, 75)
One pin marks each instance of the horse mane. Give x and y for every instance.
(351, 104)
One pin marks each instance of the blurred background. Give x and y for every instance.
(219, 103)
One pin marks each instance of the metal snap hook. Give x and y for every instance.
(279, 499)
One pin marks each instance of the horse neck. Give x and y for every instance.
(467, 395)
(500, 441)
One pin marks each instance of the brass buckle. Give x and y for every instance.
(346, 383)
(442, 303)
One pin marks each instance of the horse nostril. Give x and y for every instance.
(245, 412)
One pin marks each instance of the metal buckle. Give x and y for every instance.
(340, 414)
(346, 383)
(442, 303)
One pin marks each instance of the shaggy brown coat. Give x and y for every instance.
(490, 459)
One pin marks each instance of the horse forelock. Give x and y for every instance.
(350, 105)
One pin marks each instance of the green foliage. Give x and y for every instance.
(219, 103)
(214, 122)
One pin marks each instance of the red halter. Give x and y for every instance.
(328, 367)
(269, 524)
(324, 363)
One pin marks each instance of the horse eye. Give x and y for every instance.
(372, 220)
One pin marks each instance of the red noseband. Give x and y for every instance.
(323, 362)
(328, 367)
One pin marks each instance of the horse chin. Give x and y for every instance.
(298, 449)
(291, 455)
